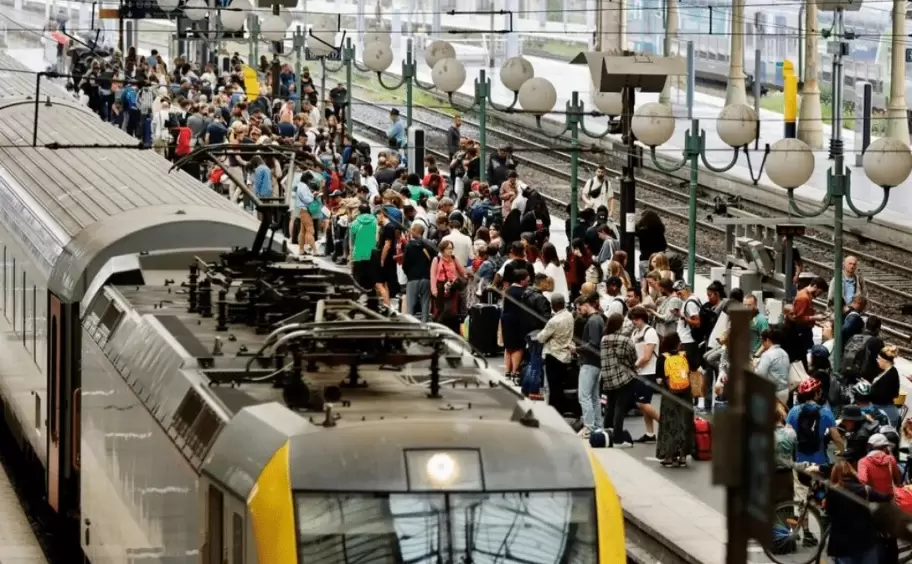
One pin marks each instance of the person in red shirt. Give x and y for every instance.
(801, 318)
(879, 468)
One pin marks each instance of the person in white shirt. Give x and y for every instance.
(161, 135)
(598, 192)
(646, 342)
(555, 271)
(614, 298)
(463, 249)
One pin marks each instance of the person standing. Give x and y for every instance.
(589, 389)
(416, 262)
(454, 137)
(557, 341)
(598, 192)
(646, 342)
(363, 233)
(617, 370)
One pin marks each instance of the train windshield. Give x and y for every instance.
(447, 528)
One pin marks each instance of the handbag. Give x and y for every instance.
(696, 384)
(797, 374)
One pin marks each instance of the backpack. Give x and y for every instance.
(624, 307)
(708, 318)
(677, 372)
(183, 142)
(855, 353)
(808, 430)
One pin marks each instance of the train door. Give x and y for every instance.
(63, 388)
(226, 528)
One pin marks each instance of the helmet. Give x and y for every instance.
(862, 389)
(809, 385)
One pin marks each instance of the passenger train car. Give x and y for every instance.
(189, 401)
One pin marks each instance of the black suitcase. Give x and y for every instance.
(483, 322)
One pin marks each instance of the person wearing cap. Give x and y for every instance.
(878, 468)
(861, 395)
(885, 386)
(813, 424)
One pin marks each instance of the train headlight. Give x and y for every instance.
(442, 469)
(434, 470)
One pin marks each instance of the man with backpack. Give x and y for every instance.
(813, 424)
(859, 357)
(694, 325)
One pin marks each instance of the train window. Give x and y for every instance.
(99, 305)
(203, 431)
(110, 318)
(237, 539)
(187, 412)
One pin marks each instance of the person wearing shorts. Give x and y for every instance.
(646, 341)
(689, 317)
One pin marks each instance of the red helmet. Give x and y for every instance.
(808, 385)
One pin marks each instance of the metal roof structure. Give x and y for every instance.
(75, 207)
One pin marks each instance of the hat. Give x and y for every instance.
(394, 112)
(820, 351)
(679, 285)
(878, 440)
(852, 413)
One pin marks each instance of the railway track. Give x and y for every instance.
(890, 283)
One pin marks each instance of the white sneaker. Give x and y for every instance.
(624, 445)
(584, 433)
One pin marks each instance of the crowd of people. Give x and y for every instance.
(477, 256)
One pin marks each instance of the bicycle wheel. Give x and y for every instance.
(798, 534)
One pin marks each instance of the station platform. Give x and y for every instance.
(706, 108)
(18, 544)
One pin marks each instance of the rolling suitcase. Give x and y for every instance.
(483, 322)
(703, 439)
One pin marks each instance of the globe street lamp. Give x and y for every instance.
(538, 96)
(515, 72)
(654, 124)
(887, 162)
(378, 56)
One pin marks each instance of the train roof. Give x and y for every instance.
(218, 384)
(87, 192)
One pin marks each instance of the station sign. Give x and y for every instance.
(335, 55)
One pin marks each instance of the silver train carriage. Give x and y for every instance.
(128, 394)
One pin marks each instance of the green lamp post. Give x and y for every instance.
(653, 125)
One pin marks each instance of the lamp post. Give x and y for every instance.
(515, 72)
(624, 74)
(653, 125)
(607, 103)
(348, 59)
(378, 56)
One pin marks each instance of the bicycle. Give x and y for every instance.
(795, 538)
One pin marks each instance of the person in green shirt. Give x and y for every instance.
(416, 190)
(758, 323)
(364, 240)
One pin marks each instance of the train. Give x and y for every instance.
(190, 395)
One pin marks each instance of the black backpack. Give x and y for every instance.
(808, 429)
(708, 318)
(855, 354)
